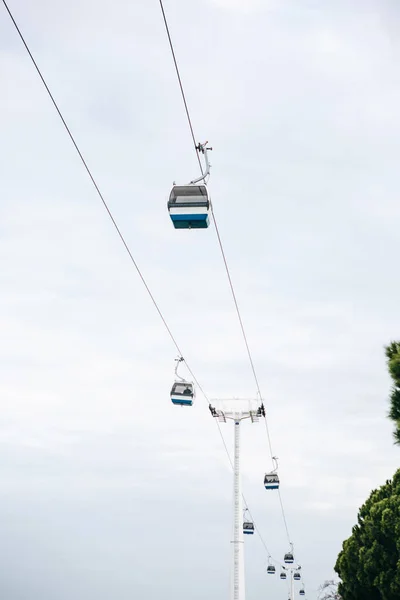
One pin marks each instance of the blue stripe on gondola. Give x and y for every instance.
(188, 217)
(272, 487)
(182, 402)
(183, 221)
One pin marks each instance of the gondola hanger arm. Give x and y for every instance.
(204, 150)
(178, 361)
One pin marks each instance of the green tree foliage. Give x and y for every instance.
(393, 356)
(369, 563)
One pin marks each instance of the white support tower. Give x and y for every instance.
(291, 585)
(292, 571)
(238, 411)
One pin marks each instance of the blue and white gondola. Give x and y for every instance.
(297, 576)
(248, 528)
(248, 525)
(271, 570)
(282, 575)
(182, 393)
(302, 592)
(271, 481)
(189, 207)
(288, 558)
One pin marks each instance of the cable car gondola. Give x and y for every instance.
(189, 205)
(282, 575)
(248, 525)
(302, 592)
(297, 576)
(270, 568)
(289, 558)
(271, 480)
(248, 528)
(182, 391)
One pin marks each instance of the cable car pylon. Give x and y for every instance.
(294, 574)
(247, 409)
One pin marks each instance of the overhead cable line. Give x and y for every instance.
(224, 259)
(96, 186)
(223, 256)
(250, 360)
(102, 198)
(100, 194)
(181, 85)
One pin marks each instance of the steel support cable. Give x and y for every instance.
(241, 323)
(107, 207)
(112, 218)
(226, 265)
(249, 356)
(279, 491)
(224, 260)
(250, 360)
(227, 271)
(99, 193)
(180, 84)
(213, 215)
(284, 516)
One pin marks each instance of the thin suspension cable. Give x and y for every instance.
(240, 321)
(180, 84)
(122, 238)
(215, 221)
(279, 491)
(250, 357)
(284, 517)
(72, 138)
(235, 301)
(258, 531)
(222, 252)
(99, 193)
(224, 260)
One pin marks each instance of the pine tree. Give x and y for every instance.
(369, 563)
(393, 361)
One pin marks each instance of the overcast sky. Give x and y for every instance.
(107, 490)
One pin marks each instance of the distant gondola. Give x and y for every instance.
(248, 525)
(271, 570)
(271, 480)
(182, 391)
